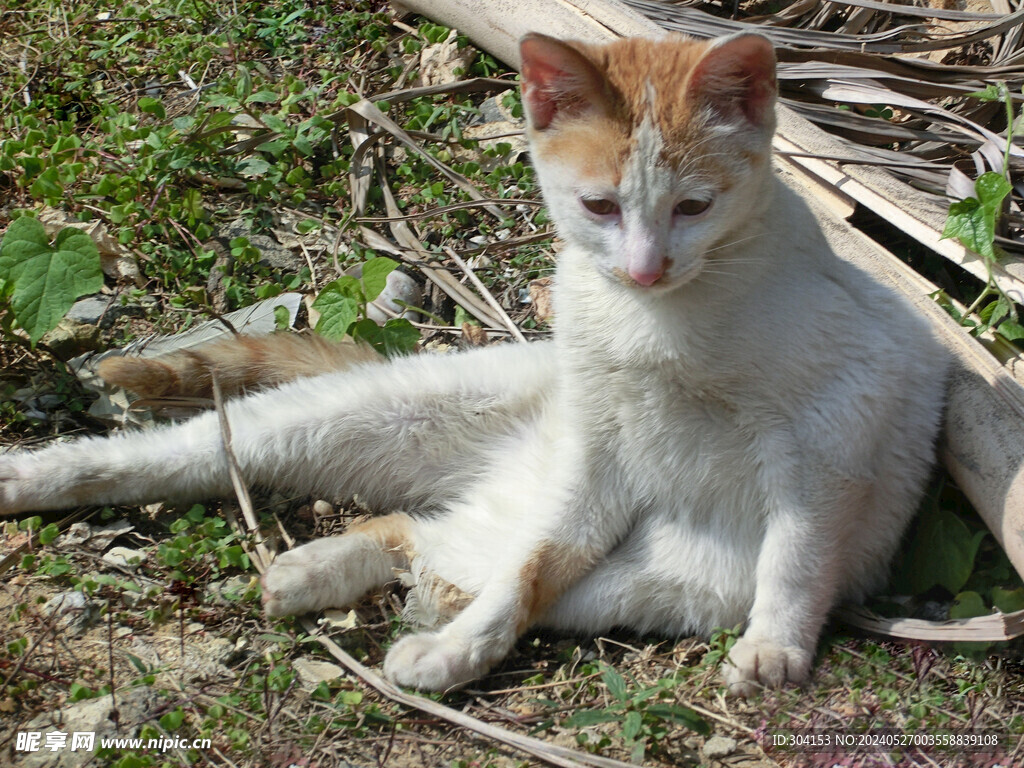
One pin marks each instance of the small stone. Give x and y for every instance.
(131, 598)
(718, 747)
(272, 253)
(322, 508)
(91, 310)
(228, 591)
(493, 109)
(78, 533)
(135, 706)
(70, 339)
(125, 557)
(73, 611)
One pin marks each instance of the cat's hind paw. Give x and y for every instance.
(756, 664)
(430, 661)
(326, 573)
(291, 586)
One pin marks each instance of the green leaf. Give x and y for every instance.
(140, 666)
(30, 523)
(339, 304)
(262, 97)
(25, 228)
(645, 694)
(943, 552)
(253, 166)
(396, 337)
(47, 279)
(1008, 600)
(680, 715)
(153, 107)
(47, 184)
(172, 720)
(282, 317)
(967, 605)
(973, 221)
(991, 92)
(274, 123)
(636, 755)
(632, 725)
(375, 275)
(588, 717)
(77, 692)
(1011, 330)
(49, 533)
(400, 337)
(615, 682)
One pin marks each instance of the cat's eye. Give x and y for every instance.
(600, 206)
(691, 207)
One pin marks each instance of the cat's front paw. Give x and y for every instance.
(431, 661)
(756, 664)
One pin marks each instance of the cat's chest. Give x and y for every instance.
(678, 444)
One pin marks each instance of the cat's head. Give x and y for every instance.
(651, 153)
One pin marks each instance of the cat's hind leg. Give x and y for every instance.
(336, 571)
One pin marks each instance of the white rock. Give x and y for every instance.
(74, 612)
(125, 557)
(134, 707)
(718, 747)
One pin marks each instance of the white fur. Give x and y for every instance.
(743, 442)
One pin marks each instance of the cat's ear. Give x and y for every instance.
(557, 79)
(736, 78)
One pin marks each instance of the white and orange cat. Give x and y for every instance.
(730, 425)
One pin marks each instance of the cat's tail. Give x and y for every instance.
(239, 363)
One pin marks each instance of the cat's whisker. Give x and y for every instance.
(733, 243)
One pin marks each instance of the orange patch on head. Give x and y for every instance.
(645, 81)
(597, 148)
(650, 81)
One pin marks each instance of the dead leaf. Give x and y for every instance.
(474, 335)
(540, 296)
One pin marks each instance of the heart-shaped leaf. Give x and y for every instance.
(47, 278)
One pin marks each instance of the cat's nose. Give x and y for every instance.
(646, 259)
(648, 271)
(646, 278)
